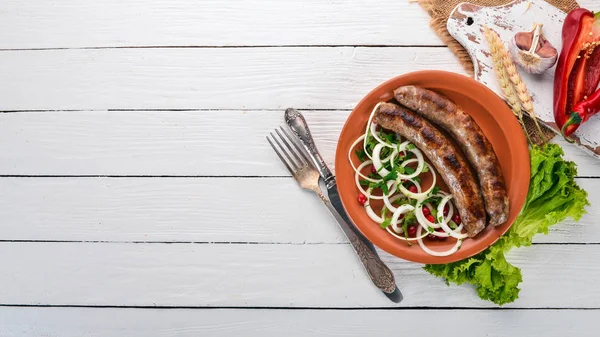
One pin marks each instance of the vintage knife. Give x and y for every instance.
(379, 273)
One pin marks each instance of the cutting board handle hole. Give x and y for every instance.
(469, 21)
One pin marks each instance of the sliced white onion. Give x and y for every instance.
(420, 162)
(393, 227)
(422, 220)
(377, 161)
(368, 128)
(443, 203)
(375, 135)
(388, 158)
(396, 216)
(389, 201)
(392, 187)
(356, 170)
(357, 181)
(435, 252)
(371, 213)
(419, 195)
(444, 224)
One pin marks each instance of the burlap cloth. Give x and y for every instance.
(440, 10)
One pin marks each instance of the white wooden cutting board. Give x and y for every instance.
(466, 23)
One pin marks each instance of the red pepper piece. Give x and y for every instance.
(578, 68)
(582, 111)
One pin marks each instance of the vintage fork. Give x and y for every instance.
(307, 177)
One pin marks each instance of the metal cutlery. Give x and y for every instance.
(307, 175)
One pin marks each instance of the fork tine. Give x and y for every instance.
(279, 155)
(286, 153)
(291, 139)
(297, 158)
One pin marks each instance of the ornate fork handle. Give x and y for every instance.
(299, 127)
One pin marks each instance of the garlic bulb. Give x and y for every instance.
(532, 51)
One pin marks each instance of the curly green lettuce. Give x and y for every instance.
(553, 196)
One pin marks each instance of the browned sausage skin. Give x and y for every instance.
(477, 148)
(445, 157)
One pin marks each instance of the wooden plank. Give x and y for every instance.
(193, 210)
(111, 23)
(166, 209)
(77, 322)
(166, 142)
(213, 78)
(199, 275)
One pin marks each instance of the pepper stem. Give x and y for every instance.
(537, 32)
(574, 119)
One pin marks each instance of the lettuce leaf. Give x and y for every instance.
(553, 196)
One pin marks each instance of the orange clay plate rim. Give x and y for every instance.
(493, 117)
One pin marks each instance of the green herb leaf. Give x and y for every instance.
(434, 201)
(364, 182)
(361, 154)
(384, 188)
(386, 221)
(390, 176)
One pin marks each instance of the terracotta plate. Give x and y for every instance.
(496, 121)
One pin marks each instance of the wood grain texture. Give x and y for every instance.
(245, 275)
(194, 210)
(113, 23)
(167, 143)
(91, 322)
(213, 78)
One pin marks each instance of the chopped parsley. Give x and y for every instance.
(374, 176)
(386, 221)
(364, 182)
(409, 170)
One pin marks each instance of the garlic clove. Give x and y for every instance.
(532, 51)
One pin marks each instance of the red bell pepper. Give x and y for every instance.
(581, 112)
(577, 71)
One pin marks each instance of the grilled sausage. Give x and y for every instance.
(445, 157)
(477, 148)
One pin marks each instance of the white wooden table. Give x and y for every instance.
(138, 196)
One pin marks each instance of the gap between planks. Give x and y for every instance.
(250, 242)
(237, 47)
(267, 308)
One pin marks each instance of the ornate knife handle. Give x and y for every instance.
(297, 124)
